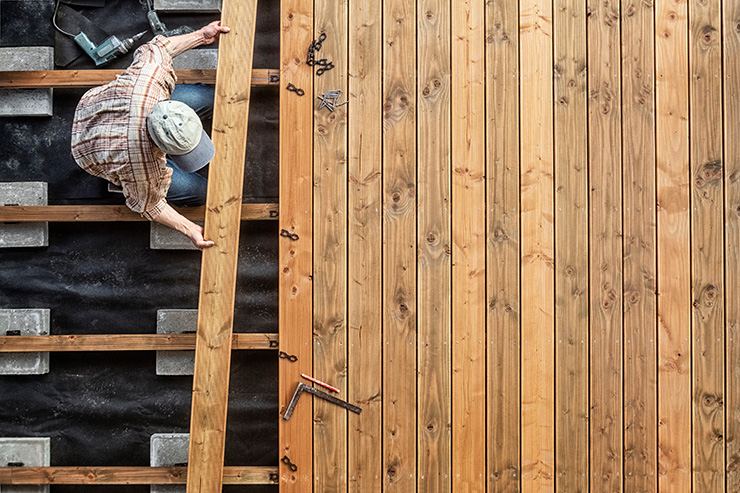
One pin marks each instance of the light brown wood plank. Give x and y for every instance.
(638, 212)
(731, 83)
(674, 288)
(707, 247)
(399, 246)
(468, 248)
(112, 213)
(128, 475)
(88, 78)
(330, 250)
(605, 245)
(365, 238)
(219, 265)
(295, 257)
(503, 233)
(434, 447)
(571, 237)
(537, 246)
(126, 342)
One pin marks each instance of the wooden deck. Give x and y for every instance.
(524, 238)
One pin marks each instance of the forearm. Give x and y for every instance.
(185, 42)
(173, 219)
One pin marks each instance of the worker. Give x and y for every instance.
(143, 133)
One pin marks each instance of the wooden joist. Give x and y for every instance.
(128, 475)
(219, 266)
(88, 78)
(125, 342)
(113, 213)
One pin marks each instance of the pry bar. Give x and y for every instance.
(302, 387)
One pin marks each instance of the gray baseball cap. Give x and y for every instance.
(177, 130)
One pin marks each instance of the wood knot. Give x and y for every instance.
(437, 83)
(425, 91)
(429, 15)
(396, 197)
(431, 238)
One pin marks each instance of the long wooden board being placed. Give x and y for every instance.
(88, 78)
(112, 213)
(125, 342)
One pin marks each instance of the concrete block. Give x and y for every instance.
(31, 322)
(176, 322)
(26, 102)
(24, 234)
(206, 59)
(162, 237)
(200, 6)
(168, 449)
(32, 452)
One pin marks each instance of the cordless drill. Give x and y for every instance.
(108, 49)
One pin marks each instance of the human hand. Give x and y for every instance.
(196, 236)
(212, 31)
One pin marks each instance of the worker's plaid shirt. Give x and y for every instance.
(109, 135)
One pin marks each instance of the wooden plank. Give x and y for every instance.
(330, 250)
(365, 246)
(468, 248)
(571, 240)
(434, 406)
(125, 342)
(295, 307)
(707, 247)
(128, 475)
(399, 245)
(30, 79)
(605, 245)
(537, 246)
(114, 213)
(731, 86)
(638, 212)
(219, 265)
(674, 289)
(503, 233)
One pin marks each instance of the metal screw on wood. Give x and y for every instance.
(330, 99)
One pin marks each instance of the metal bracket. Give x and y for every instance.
(289, 357)
(285, 460)
(295, 89)
(288, 234)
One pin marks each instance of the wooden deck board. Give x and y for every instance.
(112, 213)
(571, 237)
(434, 452)
(126, 342)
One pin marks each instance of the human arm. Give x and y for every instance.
(170, 217)
(203, 36)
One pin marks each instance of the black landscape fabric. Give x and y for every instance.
(100, 409)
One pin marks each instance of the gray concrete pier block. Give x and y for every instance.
(162, 237)
(168, 449)
(31, 452)
(30, 322)
(20, 235)
(205, 59)
(26, 102)
(176, 321)
(200, 6)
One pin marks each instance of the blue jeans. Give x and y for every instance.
(189, 189)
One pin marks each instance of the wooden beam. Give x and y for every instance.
(219, 266)
(29, 79)
(128, 475)
(114, 213)
(296, 201)
(125, 342)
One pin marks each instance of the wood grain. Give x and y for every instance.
(88, 78)
(571, 240)
(219, 265)
(365, 129)
(707, 247)
(330, 251)
(674, 285)
(399, 246)
(639, 249)
(113, 213)
(434, 452)
(126, 342)
(537, 246)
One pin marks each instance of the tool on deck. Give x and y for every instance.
(106, 51)
(319, 382)
(302, 387)
(158, 26)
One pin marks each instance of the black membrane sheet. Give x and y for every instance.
(97, 278)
